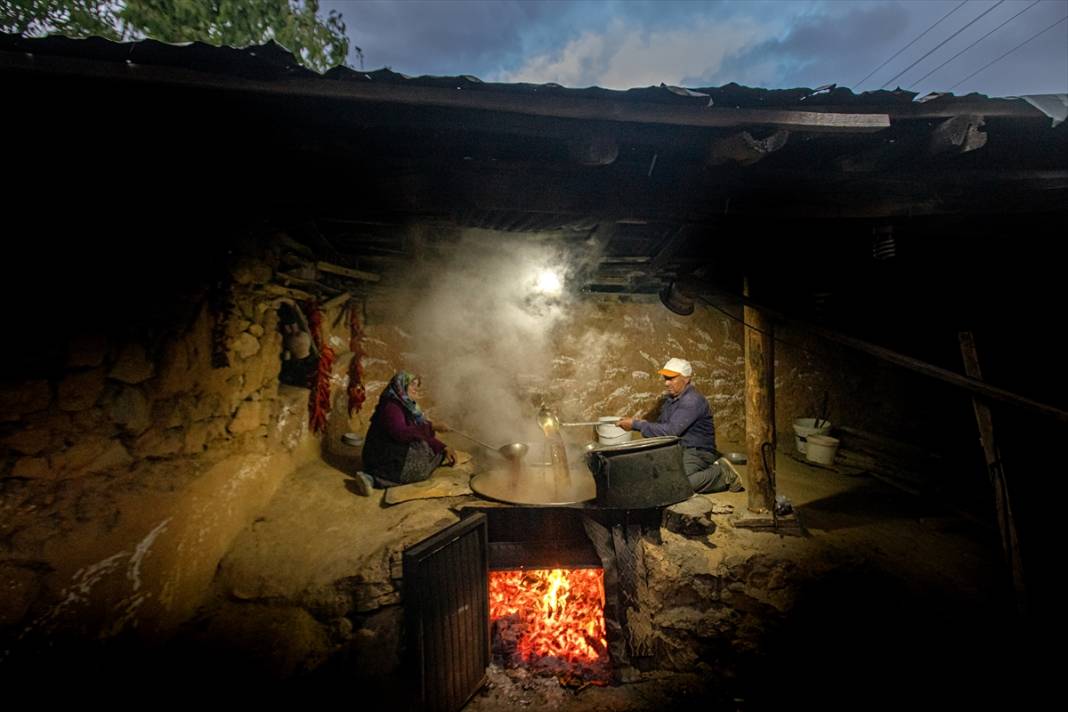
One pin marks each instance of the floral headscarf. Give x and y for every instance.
(398, 390)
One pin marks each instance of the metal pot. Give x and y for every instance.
(639, 474)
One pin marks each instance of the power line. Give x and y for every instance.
(981, 15)
(975, 43)
(1034, 36)
(910, 43)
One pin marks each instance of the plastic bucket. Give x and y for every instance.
(803, 428)
(608, 433)
(821, 449)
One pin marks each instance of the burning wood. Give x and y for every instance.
(551, 621)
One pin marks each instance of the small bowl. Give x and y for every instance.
(736, 458)
(352, 439)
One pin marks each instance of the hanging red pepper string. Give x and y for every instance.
(319, 398)
(357, 394)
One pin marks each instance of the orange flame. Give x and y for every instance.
(563, 611)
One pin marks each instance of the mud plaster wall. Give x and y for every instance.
(126, 474)
(608, 351)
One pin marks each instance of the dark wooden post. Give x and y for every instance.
(759, 413)
(1010, 543)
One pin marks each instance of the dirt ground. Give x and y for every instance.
(919, 616)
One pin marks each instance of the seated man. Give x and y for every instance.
(685, 413)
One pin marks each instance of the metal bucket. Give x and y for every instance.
(639, 474)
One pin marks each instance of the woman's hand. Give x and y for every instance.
(626, 423)
(441, 428)
(450, 457)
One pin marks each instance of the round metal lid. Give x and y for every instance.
(642, 444)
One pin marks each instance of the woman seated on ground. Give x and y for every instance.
(400, 445)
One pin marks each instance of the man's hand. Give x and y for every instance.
(450, 457)
(626, 423)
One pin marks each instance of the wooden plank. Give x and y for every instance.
(788, 524)
(944, 109)
(336, 301)
(278, 290)
(483, 98)
(1010, 542)
(759, 416)
(309, 283)
(346, 272)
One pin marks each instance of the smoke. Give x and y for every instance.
(483, 328)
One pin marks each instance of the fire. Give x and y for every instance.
(551, 613)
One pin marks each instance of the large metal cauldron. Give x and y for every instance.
(639, 474)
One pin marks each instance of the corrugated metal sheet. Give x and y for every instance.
(271, 61)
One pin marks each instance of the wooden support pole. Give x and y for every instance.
(759, 415)
(1010, 542)
(973, 385)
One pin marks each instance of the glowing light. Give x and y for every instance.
(548, 282)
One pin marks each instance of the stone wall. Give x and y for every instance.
(127, 472)
(607, 353)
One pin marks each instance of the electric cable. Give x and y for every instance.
(1032, 37)
(933, 49)
(975, 43)
(921, 35)
(776, 339)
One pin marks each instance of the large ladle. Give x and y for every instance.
(550, 424)
(511, 451)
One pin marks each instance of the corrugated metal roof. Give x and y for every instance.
(272, 62)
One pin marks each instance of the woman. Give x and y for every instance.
(400, 445)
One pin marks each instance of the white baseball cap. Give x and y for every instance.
(676, 367)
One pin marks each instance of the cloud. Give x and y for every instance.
(626, 55)
(842, 43)
(770, 43)
(441, 38)
(838, 44)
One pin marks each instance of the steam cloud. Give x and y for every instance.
(484, 334)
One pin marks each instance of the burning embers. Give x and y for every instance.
(551, 621)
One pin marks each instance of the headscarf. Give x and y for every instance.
(398, 391)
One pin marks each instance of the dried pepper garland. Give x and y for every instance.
(357, 394)
(319, 398)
